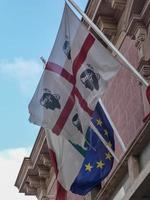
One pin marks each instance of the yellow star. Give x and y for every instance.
(99, 122)
(109, 144)
(100, 164)
(108, 156)
(88, 167)
(105, 132)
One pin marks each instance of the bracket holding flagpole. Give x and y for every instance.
(104, 38)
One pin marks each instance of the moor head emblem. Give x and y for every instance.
(67, 49)
(49, 100)
(76, 122)
(90, 79)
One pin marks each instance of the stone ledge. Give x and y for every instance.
(118, 4)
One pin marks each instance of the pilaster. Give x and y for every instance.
(133, 168)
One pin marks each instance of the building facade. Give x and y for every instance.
(127, 24)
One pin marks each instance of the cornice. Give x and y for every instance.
(27, 180)
(139, 20)
(107, 25)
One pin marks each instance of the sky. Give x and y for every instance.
(27, 31)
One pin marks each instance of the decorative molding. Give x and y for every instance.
(118, 4)
(29, 164)
(38, 145)
(29, 190)
(135, 24)
(107, 25)
(91, 6)
(51, 183)
(34, 181)
(43, 171)
(139, 20)
(45, 158)
(124, 20)
(36, 173)
(144, 69)
(138, 31)
(26, 165)
(140, 38)
(146, 13)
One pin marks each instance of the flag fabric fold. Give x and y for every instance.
(81, 168)
(76, 74)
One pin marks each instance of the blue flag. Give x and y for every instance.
(98, 160)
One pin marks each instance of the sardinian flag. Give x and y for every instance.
(76, 74)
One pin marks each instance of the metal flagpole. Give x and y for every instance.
(113, 126)
(103, 141)
(100, 33)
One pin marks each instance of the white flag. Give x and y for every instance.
(75, 75)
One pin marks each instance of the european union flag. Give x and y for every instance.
(98, 160)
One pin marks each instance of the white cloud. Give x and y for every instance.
(25, 72)
(10, 162)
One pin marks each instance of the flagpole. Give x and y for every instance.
(104, 38)
(113, 126)
(103, 141)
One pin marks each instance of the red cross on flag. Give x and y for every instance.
(76, 74)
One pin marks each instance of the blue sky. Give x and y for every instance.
(27, 31)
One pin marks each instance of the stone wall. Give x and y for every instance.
(123, 98)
